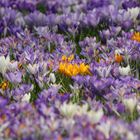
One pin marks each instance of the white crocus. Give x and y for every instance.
(26, 97)
(95, 116)
(105, 128)
(124, 70)
(118, 51)
(4, 126)
(82, 110)
(68, 123)
(45, 70)
(4, 64)
(130, 104)
(134, 12)
(131, 136)
(32, 68)
(52, 78)
(69, 110)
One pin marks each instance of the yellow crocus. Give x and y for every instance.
(136, 36)
(70, 69)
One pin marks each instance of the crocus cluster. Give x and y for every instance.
(70, 70)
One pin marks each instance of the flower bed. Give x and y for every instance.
(69, 70)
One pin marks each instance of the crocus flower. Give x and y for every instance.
(118, 56)
(3, 102)
(134, 12)
(13, 66)
(4, 85)
(130, 104)
(95, 116)
(105, 128)
(4, 63)
(68, 110)
(52, 78)
(14, 77)
(124, 70)
(32, 68)
(26, 97)
(104, 71)
(70, 69)
(136, 36)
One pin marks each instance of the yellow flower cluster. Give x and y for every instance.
(67, 59)
(69, 69)
(136, 36)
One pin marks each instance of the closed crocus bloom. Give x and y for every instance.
(26, 97)
(32, 68)
(104, 71)
(69, 110)
(4, 64)
(84, 69)
(14, 77)
(136, 36)
(13, 66)
(130, 104)
(64, 58)
(19, 21)
(134, 12)
(118, 56)
(105, 128)
(52, 78)
(95, 116)
(124, 70)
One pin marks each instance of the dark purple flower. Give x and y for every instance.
(3, 102)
